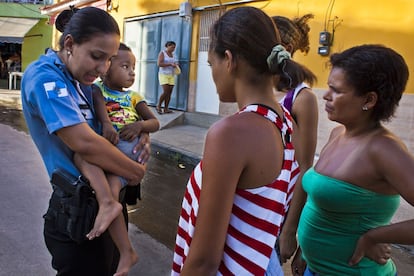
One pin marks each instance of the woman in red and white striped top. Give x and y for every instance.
(238, 195)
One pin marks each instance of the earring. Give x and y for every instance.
(69, 53)
(365, 108)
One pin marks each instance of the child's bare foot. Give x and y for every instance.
(126, 261)
(106, 214)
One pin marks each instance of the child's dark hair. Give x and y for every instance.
(83, 24)
(169, 43)
(250, 34)
(124, 47)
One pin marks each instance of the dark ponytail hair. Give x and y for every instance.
(295, 33)
(84, 23)
(63, 18)
(250, 34)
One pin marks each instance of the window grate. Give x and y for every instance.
(206, 21)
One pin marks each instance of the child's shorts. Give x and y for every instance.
(166, 79)
(127, 147)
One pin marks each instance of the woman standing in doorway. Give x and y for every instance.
(167, 63)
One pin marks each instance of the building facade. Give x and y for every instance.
(24, 34)
(147, 25)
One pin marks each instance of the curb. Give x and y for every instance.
(181, 156)
(10, 98)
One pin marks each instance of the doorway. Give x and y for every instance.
(147, 38)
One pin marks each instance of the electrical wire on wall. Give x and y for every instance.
(327, 36)
(222, 8)
(297, 8)
(265, 5)
(335, 22)
(328, 11)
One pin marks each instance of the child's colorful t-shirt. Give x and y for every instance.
(121, 105)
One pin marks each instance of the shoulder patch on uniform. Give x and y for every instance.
(55, 89)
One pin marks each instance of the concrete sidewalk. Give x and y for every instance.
(29, 256)
(180, 133)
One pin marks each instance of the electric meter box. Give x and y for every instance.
(323, 50)
(325, 38)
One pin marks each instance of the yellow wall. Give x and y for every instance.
(35, 42)
(369, 21)
(361, 21)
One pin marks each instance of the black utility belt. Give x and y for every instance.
(73, 206)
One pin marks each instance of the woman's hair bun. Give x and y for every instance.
(63, 18)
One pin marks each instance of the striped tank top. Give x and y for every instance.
(257, 214)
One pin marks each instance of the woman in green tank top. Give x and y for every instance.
(354, 189)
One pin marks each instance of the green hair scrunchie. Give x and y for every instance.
(280, 53)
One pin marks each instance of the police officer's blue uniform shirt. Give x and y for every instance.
(50, 102)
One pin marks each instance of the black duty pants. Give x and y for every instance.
(98, 257)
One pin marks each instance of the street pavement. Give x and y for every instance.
(25, 191)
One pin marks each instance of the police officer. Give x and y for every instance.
(56, 99)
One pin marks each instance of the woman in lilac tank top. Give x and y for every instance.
(302, 104)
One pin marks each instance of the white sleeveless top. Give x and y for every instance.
(167, 70)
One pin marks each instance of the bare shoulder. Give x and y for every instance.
(161, 56)
(393, 162)
(240, 129)
(307, 95)
(224, 143)
(305, 99)
(388, 153)
(384, 142)
(305, 105)
(233, 125)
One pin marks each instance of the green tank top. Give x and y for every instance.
(335, 215)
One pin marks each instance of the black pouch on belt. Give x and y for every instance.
(73, 205)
